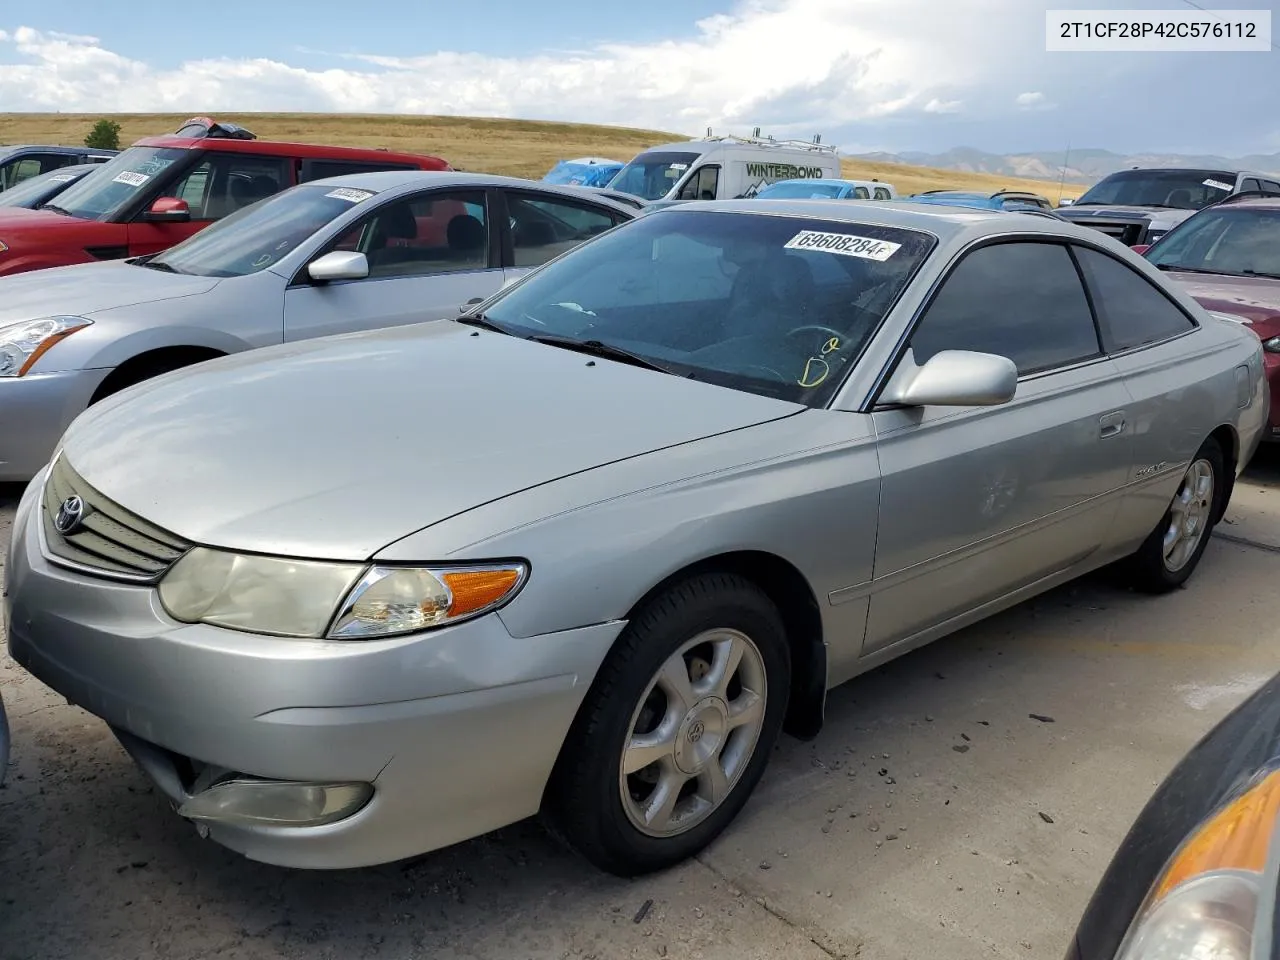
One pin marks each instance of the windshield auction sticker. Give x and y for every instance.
(845, 244)
(1218, 185)
(350, 194)
(132, 179)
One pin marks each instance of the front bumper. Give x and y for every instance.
(35, 410)
(457, 729)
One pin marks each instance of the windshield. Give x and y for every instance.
(104, 193)
(256, 236)
(39, 188)
(778, 306)
(1229, 241)
(651, 176)
(1183, 189)
(800, 190)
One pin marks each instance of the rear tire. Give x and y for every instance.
(677, 728)
(1171, 553)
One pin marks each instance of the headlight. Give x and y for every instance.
(1205, 903)
(342, 601)
(3, 246)
(22, 344)
(1272, 345)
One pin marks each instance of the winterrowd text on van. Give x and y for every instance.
(784, 171)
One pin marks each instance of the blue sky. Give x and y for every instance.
(242, 28)
(867, 74)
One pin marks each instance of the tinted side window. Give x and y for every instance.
(423, 234)
(1131, 311)
(222, 183)
(883, 194)
(1023, 301)
(1250, 184)
(703, 185)
(543, 229)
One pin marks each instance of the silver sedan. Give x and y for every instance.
(589, 549)
(348, 253)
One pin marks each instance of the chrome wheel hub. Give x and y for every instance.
(693, 733)
(701, 736)
(1189, 516)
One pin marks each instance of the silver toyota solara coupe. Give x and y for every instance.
(588, 549)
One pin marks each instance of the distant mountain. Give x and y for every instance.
(1083, 165)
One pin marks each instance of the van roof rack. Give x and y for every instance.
(816, 145)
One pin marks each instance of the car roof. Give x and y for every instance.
(1252, 203)
(309, 151)
(397, 181)
(944, 221)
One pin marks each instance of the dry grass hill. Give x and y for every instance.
(523, 148)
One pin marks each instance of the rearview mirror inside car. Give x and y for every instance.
(953, 378)
(168, 210)
(339, 265)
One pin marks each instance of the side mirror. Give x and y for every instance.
(953, 378)
(339, 265)
(1140, 248)
(168, 210)
(1065, 203)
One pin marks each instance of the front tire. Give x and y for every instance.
(1171, 553)
(677, 729)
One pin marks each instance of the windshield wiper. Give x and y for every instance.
(598, 348)
(1260, 273)
(56, 209)
(1181, 268)
(483, 322)
(156, 265)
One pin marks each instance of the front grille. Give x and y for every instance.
(109, 540)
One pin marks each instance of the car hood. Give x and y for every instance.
(1158, 216)
(335, 448)
(22, 228)
(1256, 299)
(85, 289)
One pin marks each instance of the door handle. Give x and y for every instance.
(1111, 425)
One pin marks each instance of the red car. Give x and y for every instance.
(1227, 256)
(163, 189)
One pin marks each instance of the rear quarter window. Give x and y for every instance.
(1132, 311)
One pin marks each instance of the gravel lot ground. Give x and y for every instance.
(950, 852)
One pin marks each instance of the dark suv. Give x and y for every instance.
(1142, 205)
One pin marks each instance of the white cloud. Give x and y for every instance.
(942, 106)
(795, 66)
(1034, 100)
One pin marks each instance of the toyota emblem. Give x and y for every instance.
(70, 516)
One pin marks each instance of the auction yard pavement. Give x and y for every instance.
(961, 802)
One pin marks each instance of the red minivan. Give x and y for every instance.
(163, 189)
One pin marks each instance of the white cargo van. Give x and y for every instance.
(722, 168)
